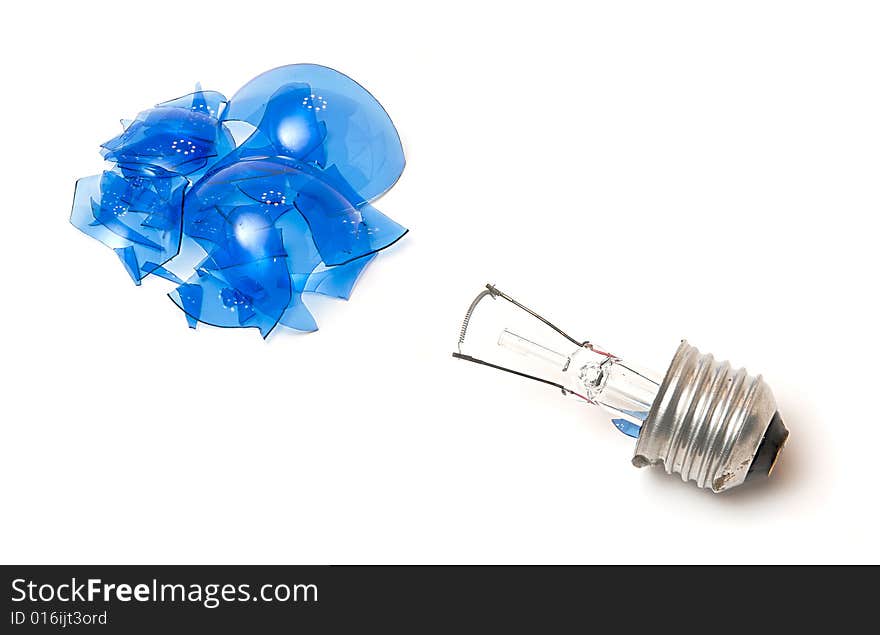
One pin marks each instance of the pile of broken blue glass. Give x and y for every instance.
(247, 203)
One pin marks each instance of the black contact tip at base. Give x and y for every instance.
(768, 451)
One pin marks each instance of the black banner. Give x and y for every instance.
(141, 599)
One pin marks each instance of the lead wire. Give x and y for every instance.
(493, 292)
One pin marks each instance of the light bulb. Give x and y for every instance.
(703, 420)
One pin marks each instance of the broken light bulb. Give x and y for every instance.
(704, 420)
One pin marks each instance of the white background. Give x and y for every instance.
(640, 171)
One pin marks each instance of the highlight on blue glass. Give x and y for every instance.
(249, 203)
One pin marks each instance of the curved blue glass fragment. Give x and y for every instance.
(280, 209)
(339, 281)
(318, 115)
(206, 102)
(182, 137)
(343, 227)
(138, 217)
(254, 212)
(253, 294)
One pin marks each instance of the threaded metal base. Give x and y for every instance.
(707, 422)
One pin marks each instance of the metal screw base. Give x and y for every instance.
(708, 422)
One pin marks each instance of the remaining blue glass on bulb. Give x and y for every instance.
(284, 211)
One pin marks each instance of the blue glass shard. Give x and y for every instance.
(182, 136)
(338, 282)
(250, 222)
(298, 317)
(140, 218)
(206, 102)
(189, 298)
(298, 105)
(627, 427)
(129, 260)
(289, 128)
(162, 272)
(256, 295)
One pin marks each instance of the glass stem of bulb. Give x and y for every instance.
(620, 388)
